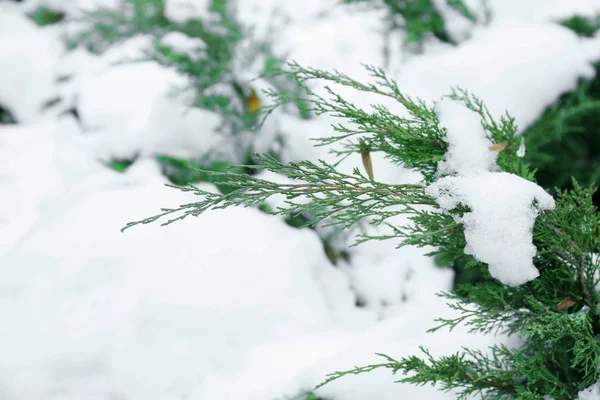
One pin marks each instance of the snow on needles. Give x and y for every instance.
(498, 229)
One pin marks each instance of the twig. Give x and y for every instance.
(579, 264)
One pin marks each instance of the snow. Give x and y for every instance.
(183, 44)
(543, 10)
(457, 25)
(400, 335)
(354, 32)
(590, 393)
(385, 278)
(181, 11)
(521, 150)
(508, 68)
(27, 83)
(235, 304)
(468, 147)
(28, 180)
(88, 288)
(498, 229)
(76, 8)
(134, 109)
(499, 225)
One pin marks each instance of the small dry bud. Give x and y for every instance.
(252, 102)
(565, 303)
(368, 164)
(499, 146)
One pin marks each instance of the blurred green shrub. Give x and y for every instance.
(565, 141)
(421, 17)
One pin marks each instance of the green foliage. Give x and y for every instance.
(460, 6)
(45, 16)
(561, 144)
(108, 26)
(414, 141)
(349, 198)
(226, 49)
(311, 396)
(185, 172)
(307, 395)
(6, 117)
(498, 374)
(421, 17)
(560, 353)
(120, 165)
(564, 141)
(346, 201)
(583, 26)
(556, 315)
(212, 73)
(220, 36)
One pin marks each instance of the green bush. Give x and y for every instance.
(421, 17)
(565, 141)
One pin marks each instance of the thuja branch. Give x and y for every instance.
(392, 364)
(412, 138)
(329, 196)
(465, 372)
(568, 235)
(578, 259)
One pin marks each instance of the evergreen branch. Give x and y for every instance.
(579, 262)
(568, 234)
(415, 140)
(502, 131)
(554, 332)
(460, 370)
(391, 364)
(326, 194)
(498, 316)
(454, 371)
(414, 238)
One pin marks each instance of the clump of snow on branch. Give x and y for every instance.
(468, 147)
(503, 206)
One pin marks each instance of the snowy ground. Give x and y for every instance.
(234, 304)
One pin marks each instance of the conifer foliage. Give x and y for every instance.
(420, 17)
(553, 308)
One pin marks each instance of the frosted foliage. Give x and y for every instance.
(503, 206)
(499, 227)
